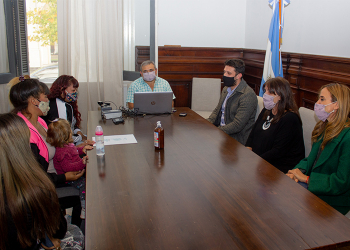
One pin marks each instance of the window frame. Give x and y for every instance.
(17, 42)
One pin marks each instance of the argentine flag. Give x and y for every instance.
(273, 62)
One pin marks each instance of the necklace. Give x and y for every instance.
(267, 123)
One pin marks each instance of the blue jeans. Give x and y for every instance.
(80, 184)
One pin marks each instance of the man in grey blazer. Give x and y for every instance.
(235, 112)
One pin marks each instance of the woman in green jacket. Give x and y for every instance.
(326, 170)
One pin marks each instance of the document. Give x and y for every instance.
(118, 139)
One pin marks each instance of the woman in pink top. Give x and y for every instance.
(67, 156)
(29, 99)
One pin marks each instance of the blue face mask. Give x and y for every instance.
(71, 97)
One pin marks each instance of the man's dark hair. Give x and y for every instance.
(238, 64)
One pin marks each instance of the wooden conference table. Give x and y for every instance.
(203, 191)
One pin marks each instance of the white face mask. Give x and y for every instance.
(44, 107)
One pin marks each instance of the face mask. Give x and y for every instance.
(71, 97)
(321, 112)
(149, 76)
(44, 107)
(268, 101)
(229, 81)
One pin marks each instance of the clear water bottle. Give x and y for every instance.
(100, 146)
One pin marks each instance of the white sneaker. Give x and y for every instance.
(82, 214)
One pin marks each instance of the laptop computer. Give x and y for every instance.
(153, 102)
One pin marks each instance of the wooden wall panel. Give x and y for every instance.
(306, 73)
(182, 91)
(254, 61)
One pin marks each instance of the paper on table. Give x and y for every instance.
(118, 139)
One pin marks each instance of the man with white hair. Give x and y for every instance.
(148, 82)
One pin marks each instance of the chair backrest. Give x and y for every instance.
(309, 120)
(259, 107)
(205, 93)
(126, 85)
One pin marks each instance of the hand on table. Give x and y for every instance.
(297, 175)
(86, 142)
(85, 159)
(87, 147)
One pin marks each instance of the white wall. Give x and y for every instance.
(202, 23)
(142, 22)
(258, 19)
(194, 23)
(312, 27)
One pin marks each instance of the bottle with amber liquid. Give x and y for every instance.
(159, 136)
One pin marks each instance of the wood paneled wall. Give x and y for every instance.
(306, 73)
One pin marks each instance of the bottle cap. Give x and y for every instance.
(158, 123)
(99, 130)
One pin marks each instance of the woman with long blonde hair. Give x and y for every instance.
(29, 207)
(326, 171)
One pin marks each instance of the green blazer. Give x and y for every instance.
(330, 178)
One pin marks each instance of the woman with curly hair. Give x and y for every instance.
(326, 171)
(64, 104)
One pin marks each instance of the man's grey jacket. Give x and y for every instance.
(240, 112)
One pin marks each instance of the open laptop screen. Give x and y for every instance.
(153, 102)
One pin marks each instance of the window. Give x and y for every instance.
(4, 59)
(14, 20)
(42, 39)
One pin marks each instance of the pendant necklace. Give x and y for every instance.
(267, 123)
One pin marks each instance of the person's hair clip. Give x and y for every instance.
(21, 78)
(56, 120)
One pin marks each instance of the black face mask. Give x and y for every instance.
(229, 81)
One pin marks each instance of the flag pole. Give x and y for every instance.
(280, 25)
(273, 60)
(280, 38)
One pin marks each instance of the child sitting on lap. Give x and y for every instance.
(67, 156)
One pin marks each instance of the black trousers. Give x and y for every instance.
(74, 202)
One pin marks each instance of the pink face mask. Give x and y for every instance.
(149, 76)
(320, 111)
